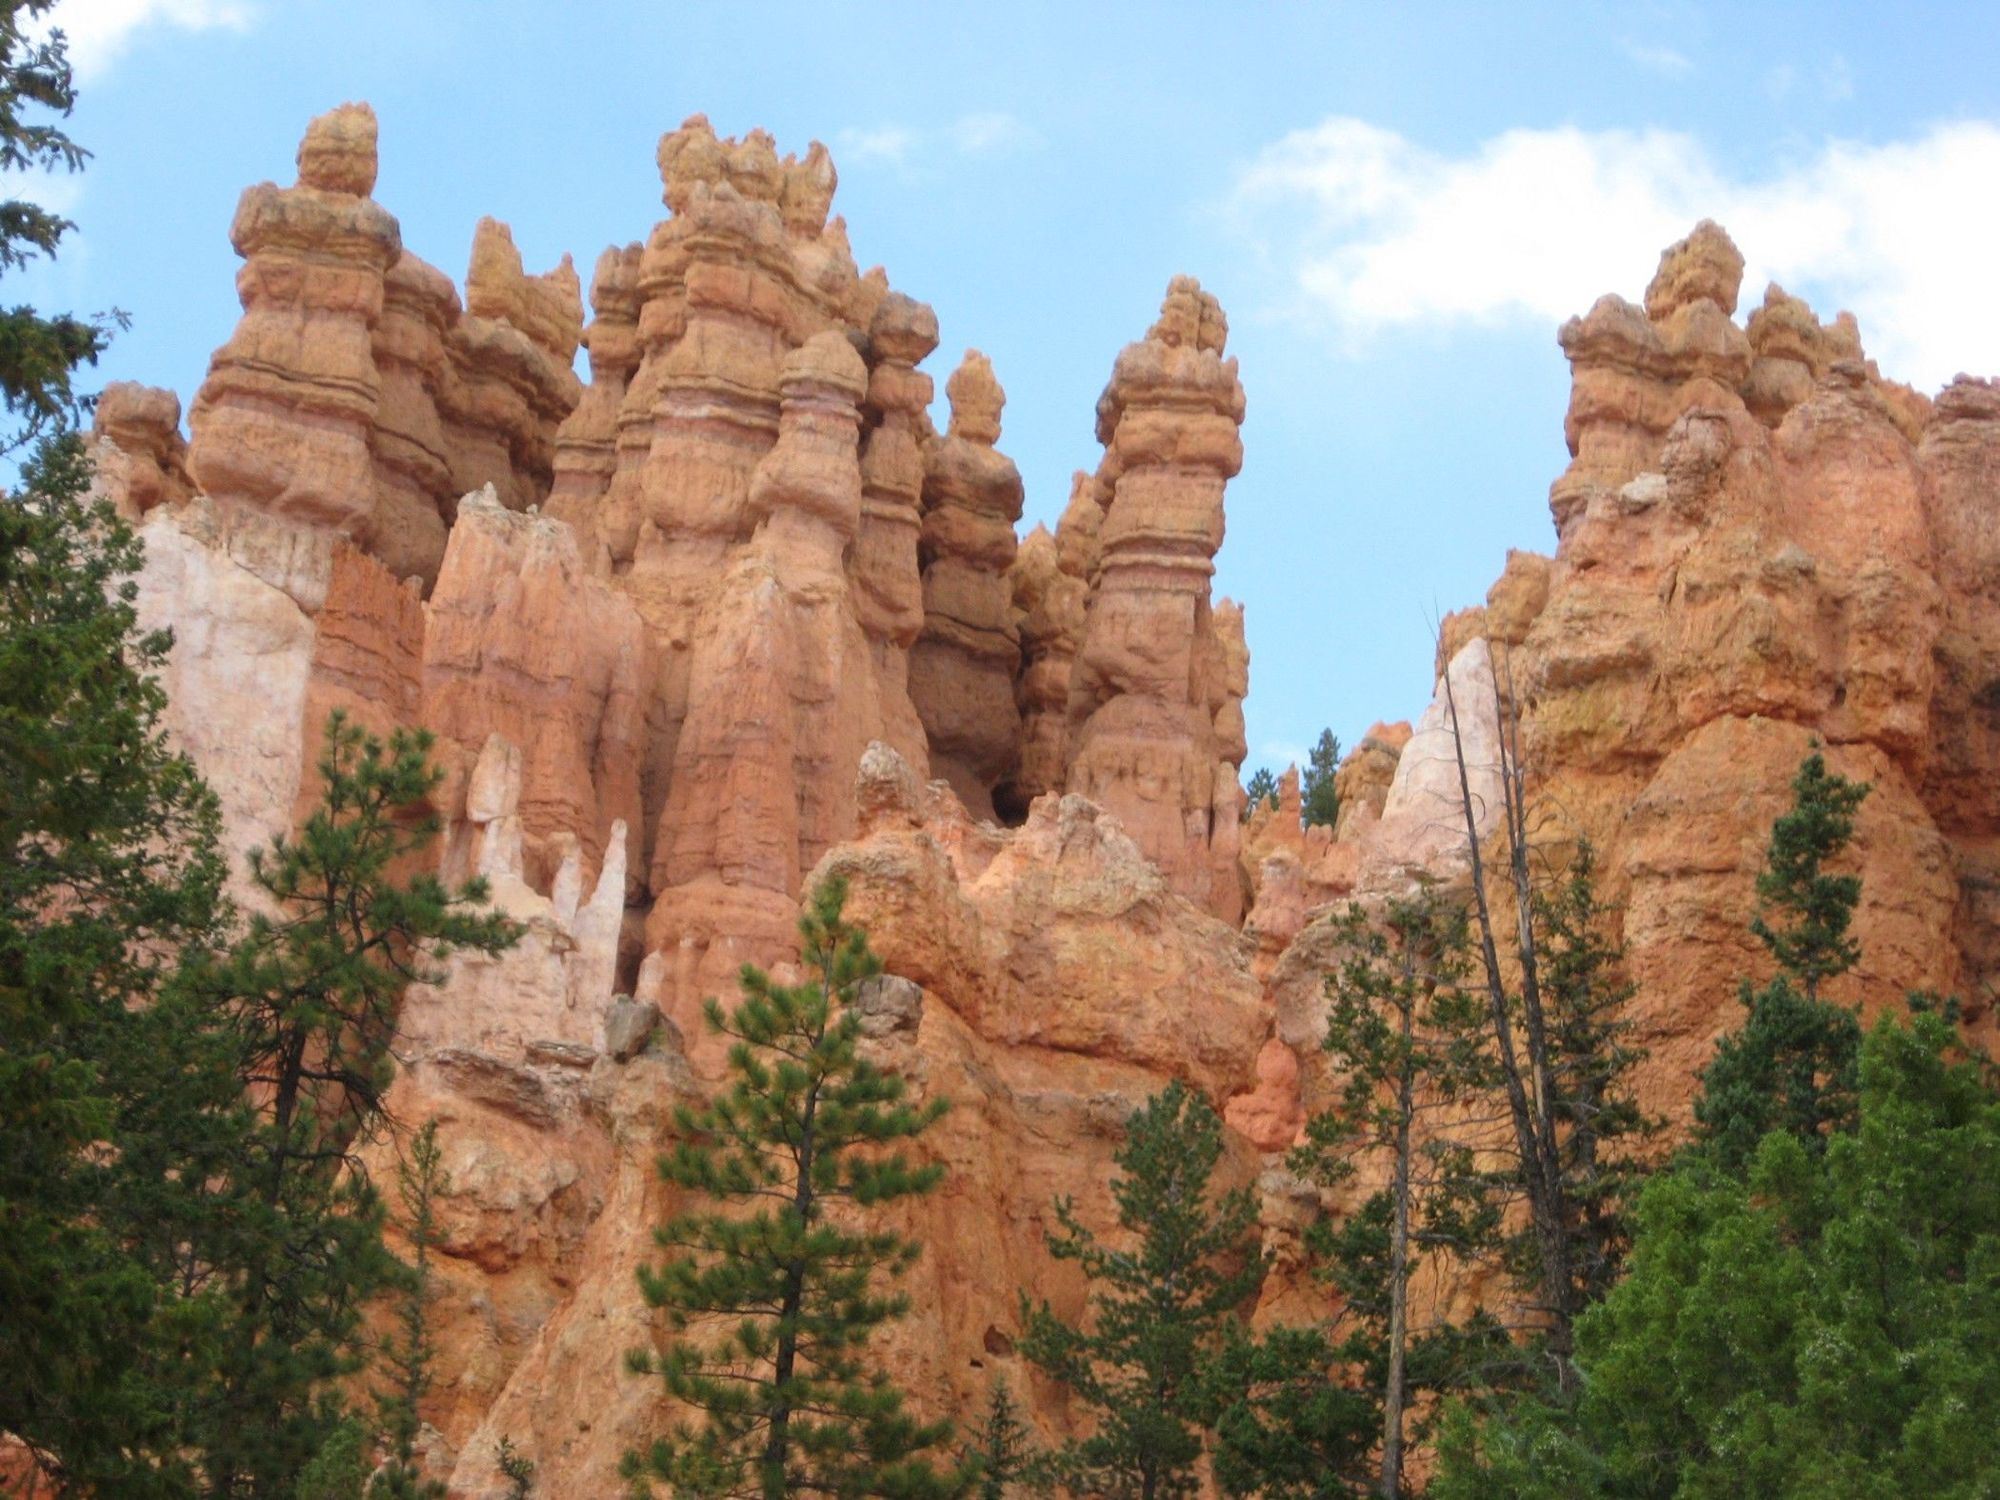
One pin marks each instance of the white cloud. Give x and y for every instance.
(983, 133)
(1657, 59)
(100, 31)
(991, 131)
(888, 144)
(1374, 231)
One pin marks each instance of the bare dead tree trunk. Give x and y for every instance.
(1399, 1264)
(1528, 1100)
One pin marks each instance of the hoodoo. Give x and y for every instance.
(734, 614)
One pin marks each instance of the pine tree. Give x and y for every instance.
(1261, 787)
(1826, 1325)
(1601, 1132)
(39, 355)
(312, 995)
(790, 1164)
(1003, 1450)
(109, 876)
(1319, 801)
(339, 1470)
(1792, 1064)
(411, 1352)
(1408, 1039)
(1560, 1058)
(516, 1468)
(1160, 1311)
(1304, 1416)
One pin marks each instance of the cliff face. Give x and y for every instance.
(734, 614)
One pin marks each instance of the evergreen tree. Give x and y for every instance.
(1319, 802)
(790, 1162)
(39, 355)
(1408, 1039)
(1261, 787)
(312, 995)
(1160, 1311)
(1003, 1451)
(517, 1469)
(109, 875)
(410, 1353)
(1827, 1326)
(1792, 1064)
(1601, 1132)
(1560, 1058)
(1302, 1419)
(340, 1469)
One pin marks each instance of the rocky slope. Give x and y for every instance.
(733, 614)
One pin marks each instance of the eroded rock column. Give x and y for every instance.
(963, 667)
(779, 708)
(1148, 687)
(888, 588)
(586, 448)
(283, 422)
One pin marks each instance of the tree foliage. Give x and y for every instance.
(311, 992)
(1144, 1361)
(110, 878)
(516, 1468)
(775, 1280)
(1827, 1325)
(1793, 1063)
(1319, 802)
(1602, 1135)
(39, 354)
(1261, 787)
(1560, 1058)
(1003, 1452)
(409, 1355)
(1407, 1037)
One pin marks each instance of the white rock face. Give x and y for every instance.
(554, 985)
(243, 648)
(1422, 828)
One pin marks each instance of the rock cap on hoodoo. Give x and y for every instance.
(1706, 266)
(976, 400)
(338, 152)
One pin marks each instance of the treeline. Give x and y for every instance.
(1799, 1301)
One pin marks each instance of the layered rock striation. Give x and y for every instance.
(688, 635)
(733, 615)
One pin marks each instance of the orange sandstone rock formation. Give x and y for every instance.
(703, 629)
(686, 635)
(963, 667)
(1155, 728)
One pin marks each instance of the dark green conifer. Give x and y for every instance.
(109, 875)
(516, 1468)
(1409, 1040)
(1003, 1450)
(1319, 801)
(312, 993)
(39, 354)
(1144, 1362)
(1261, 787)
(777, 1278)
(1601, 1132)
(1792, 1064)
(1827, 1324)
(409, 1354)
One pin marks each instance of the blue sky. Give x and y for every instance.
(1397, 205)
